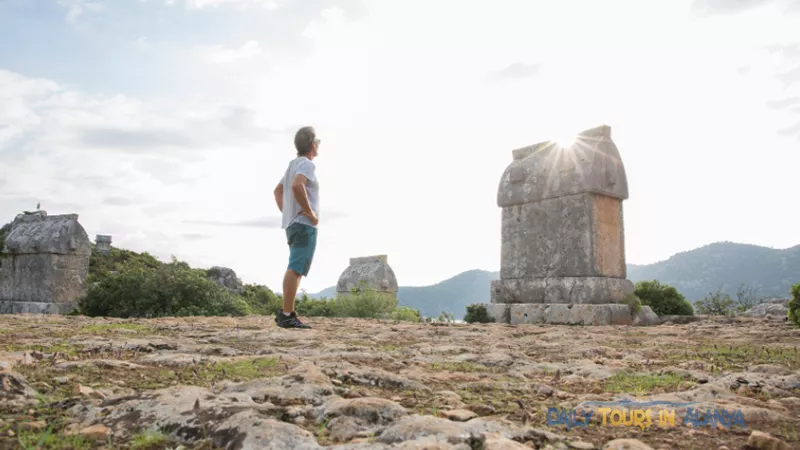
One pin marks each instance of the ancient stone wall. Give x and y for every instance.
(45, 263)
(370, 272)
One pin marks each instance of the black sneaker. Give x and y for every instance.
(290, 321)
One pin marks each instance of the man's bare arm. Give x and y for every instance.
(299, 190)
(279, 196)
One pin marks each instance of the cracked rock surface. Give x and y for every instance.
(230, 383)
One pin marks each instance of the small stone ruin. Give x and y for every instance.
(44, 265)
(370, 273)
(563, 252)
(102, 244)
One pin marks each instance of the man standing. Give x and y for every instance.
(297, 196)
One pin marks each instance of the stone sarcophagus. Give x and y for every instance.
(102, 244)
(44, 264)
(563, 242)
(368, 273)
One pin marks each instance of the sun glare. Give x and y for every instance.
(565, 142)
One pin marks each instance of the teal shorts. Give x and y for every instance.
(302, 240)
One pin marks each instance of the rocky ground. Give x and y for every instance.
(75, 382)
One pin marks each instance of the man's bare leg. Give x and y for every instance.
(291, 282)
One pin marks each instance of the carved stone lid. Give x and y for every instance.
(547, 170)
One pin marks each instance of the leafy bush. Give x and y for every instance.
(172, 289)
(662, 299)
(262, 300)
(365, 304)
(716, 304)
(102, 265)
(406, 314)
(794, 305)
(313, 307)
(634, 303)
(447, 317)
(476, 313)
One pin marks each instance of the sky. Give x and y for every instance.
(167, 123)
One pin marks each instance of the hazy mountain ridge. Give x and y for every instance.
(695, 273)
(726, 265)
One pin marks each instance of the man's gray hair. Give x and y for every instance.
(304, 139)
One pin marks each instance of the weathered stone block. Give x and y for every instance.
(370, 272)
(574, 290)
(565, 314)
(646, 317)
(561, 314)
(576, 235)
(9, 307)
(45, 262)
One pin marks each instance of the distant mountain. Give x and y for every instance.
(695, 274)
(725, 265)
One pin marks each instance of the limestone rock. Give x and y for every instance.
(778, 310)
(371, 409)
(417, 427)
(646, 317)
(369, 272)
(226, 278)
(763, 441)
(14, 386)
(248, 430)
(681, 319)
(459, 415)
(626, 444)
(98, 432)
(496, 442)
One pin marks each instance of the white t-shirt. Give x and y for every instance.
(291, 208)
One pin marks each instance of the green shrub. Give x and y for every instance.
(634, 303)
(662, 299)
(476, 313)
(102, 265)
(447, 317)
(406, 314)
(794, 305)
(716, 304)
(365, 304)
(172, 289)
(315, 307)
(262, 300)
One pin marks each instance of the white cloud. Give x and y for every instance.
(242, 4)
(135, 169)
(220, 55)
(414, 138)
(76, 8)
